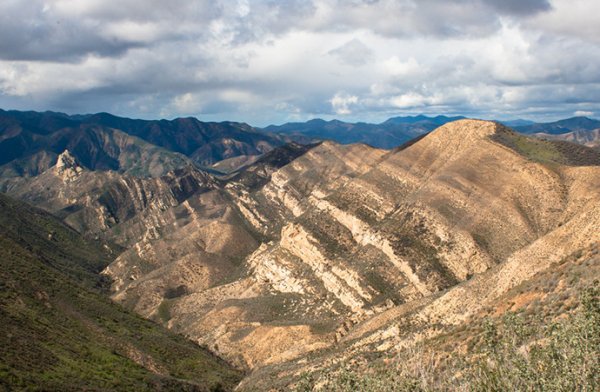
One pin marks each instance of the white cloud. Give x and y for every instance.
(132, 31)
(408, 100)
(186, 103)
(395, 67)
(583, 113)
(575, 18)
(341, 103)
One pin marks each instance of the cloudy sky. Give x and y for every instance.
(272, 61)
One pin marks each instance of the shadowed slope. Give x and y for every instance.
(60, 333)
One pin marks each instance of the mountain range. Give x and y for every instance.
(390, 133)
(398, 130)
(291, 261)
(31, 141)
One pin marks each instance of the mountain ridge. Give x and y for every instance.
(580, 123)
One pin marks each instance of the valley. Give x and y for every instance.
(310, 256)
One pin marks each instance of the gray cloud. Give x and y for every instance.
(266, 61)
(519, 7)
(353, 52)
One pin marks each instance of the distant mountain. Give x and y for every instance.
(391, 133)
(204, 142)
(31, 141)
(422, 119)
(517, 123)
(562, 126)
(398, 130)
(60, 332)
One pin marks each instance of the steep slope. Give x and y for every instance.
(61, 333)
(347, 232)
(391, 133)
(543, 213)
(258, 172)
(195, 278)
(535, 312)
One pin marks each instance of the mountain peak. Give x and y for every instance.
(67, 166)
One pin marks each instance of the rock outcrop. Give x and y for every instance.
(67, 167)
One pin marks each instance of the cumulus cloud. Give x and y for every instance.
(342, 103)
(397, 67)
(266, 61)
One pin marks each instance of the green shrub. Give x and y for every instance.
(514, 354)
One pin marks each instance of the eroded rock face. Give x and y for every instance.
(101, 202)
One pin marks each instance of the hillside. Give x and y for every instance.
(545, 252)
(587, 138)
(94, 202)
(62, 333)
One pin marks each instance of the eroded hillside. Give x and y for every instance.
(344, 250)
